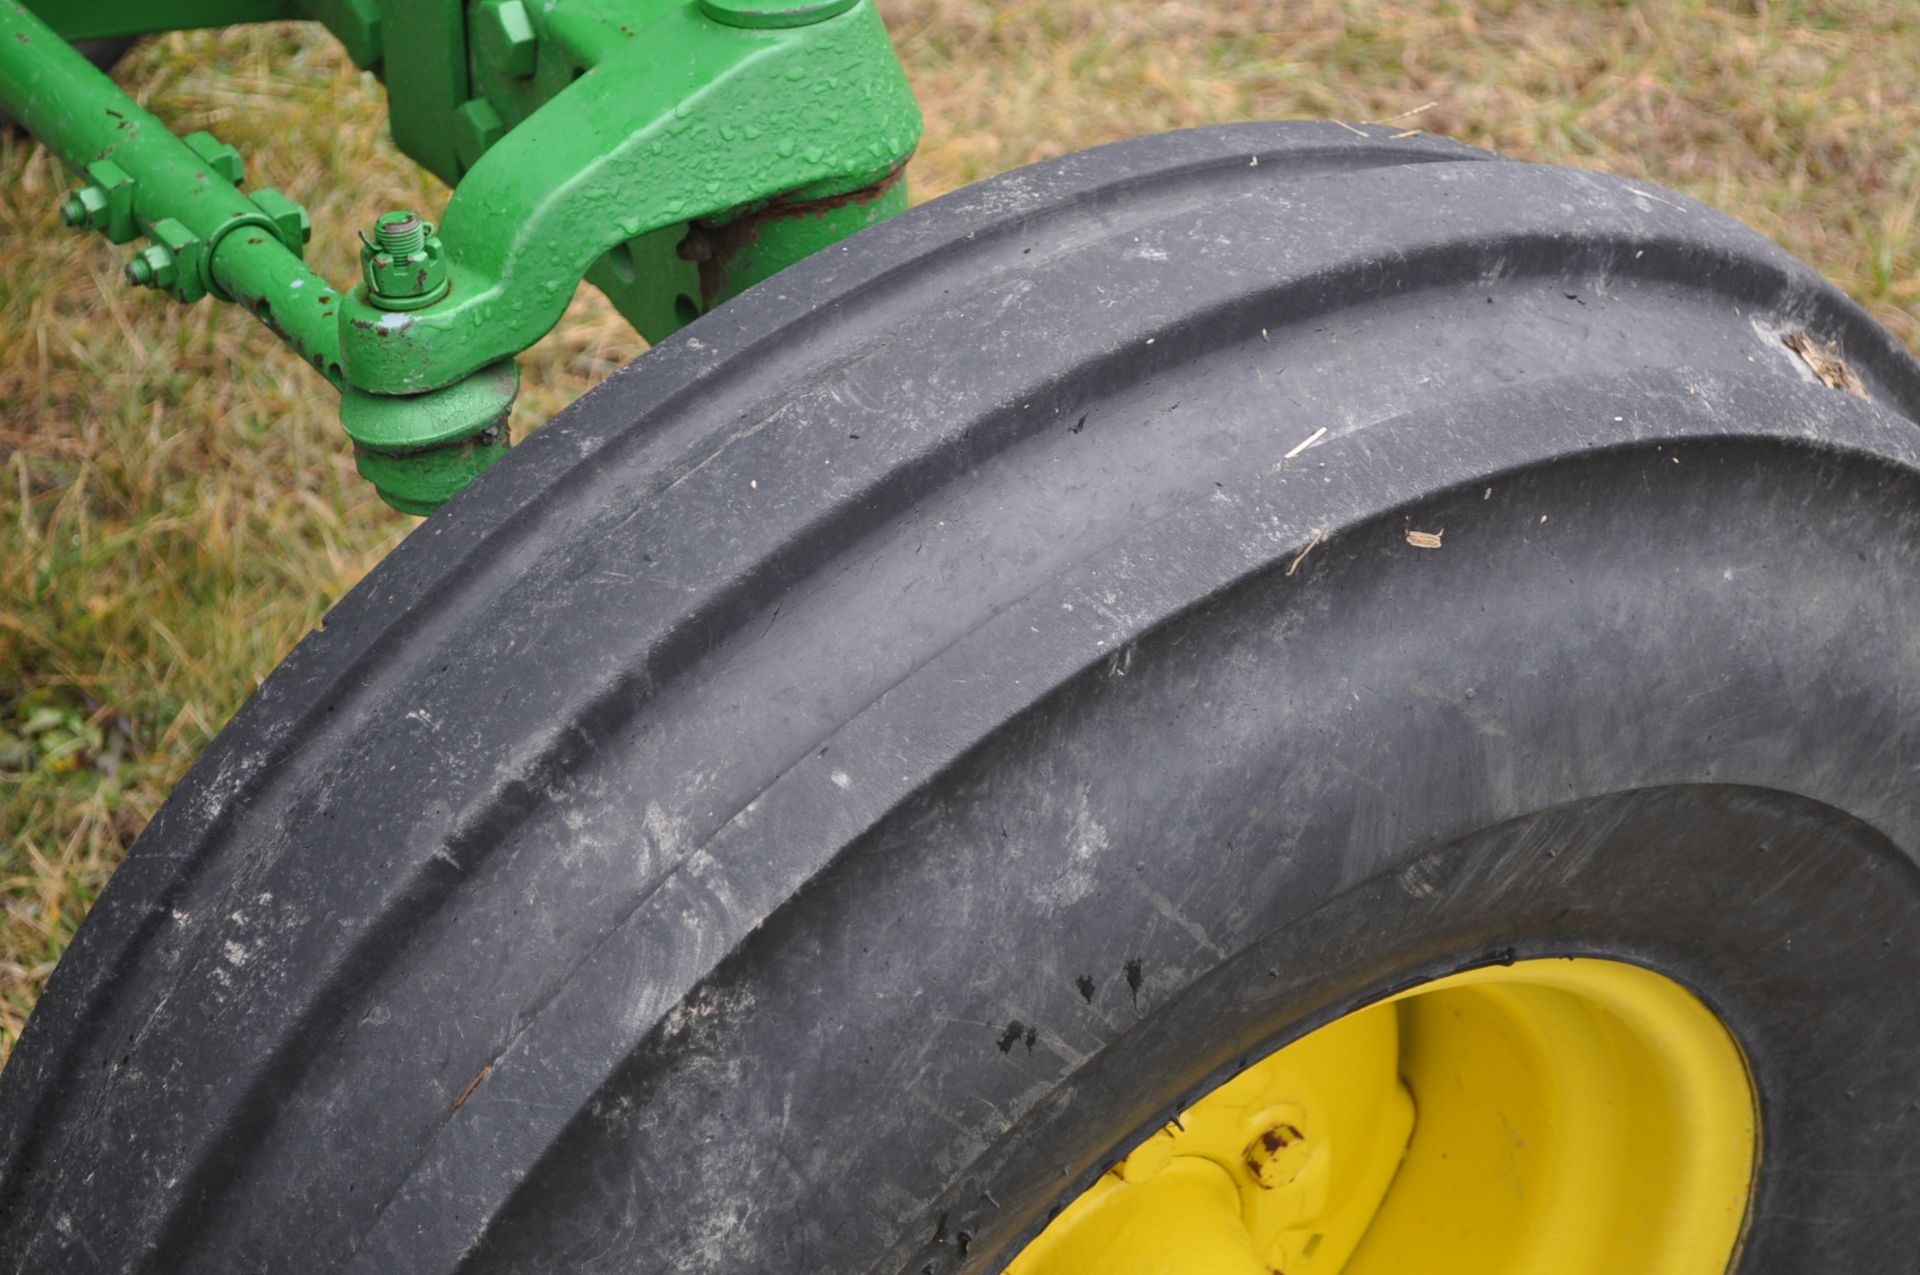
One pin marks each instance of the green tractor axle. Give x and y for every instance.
(672, 153)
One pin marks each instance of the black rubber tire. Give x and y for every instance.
(647, 867)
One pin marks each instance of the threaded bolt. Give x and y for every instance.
(402, 263)
(400, 233)
(73, 212)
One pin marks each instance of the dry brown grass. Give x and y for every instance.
(178, 508)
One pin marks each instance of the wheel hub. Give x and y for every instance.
(1551, 1116)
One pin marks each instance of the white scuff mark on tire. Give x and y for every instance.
(697, 1015)
(1171, 911)
(1417, 879)
(1656, 199)
(667, 832)
(1087, 839)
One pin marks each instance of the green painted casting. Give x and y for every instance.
(420, 482)
(425, 71)
(419, 451)
(745, 116)
(674, 152)
(105, 19)
(733, 256)
(771, 14)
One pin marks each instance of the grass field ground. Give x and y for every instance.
(178, 507)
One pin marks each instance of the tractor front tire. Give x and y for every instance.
(833, 793)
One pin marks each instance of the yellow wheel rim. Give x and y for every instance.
(1550, 1117)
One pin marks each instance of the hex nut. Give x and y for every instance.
(506, 38)
(402, 263)
(86, 207)
(152, 267)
